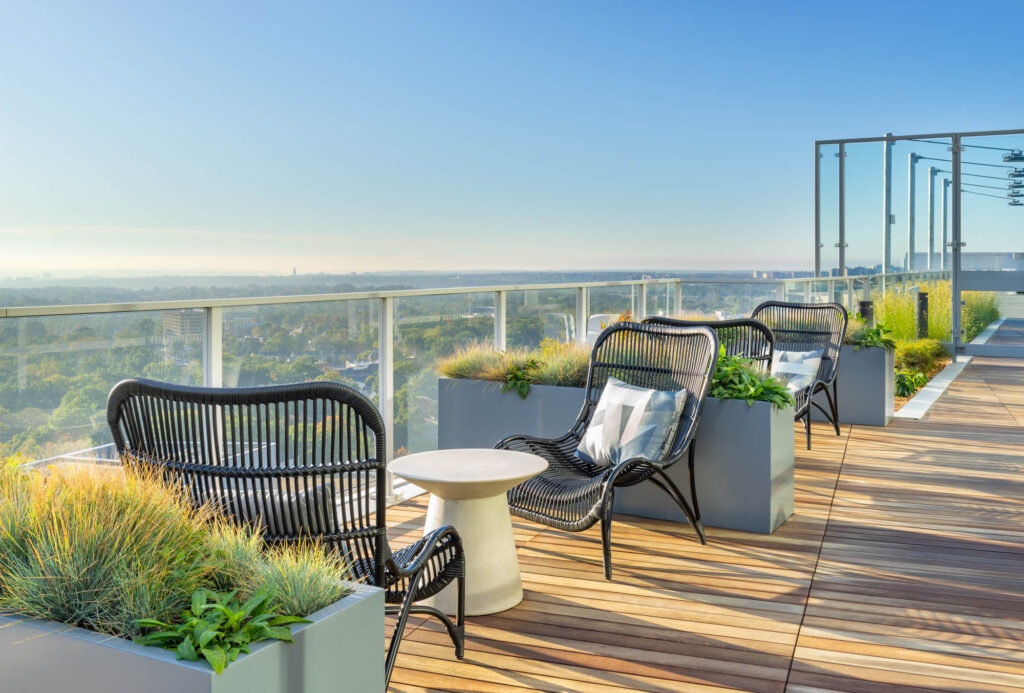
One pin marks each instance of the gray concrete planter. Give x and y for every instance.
(477, 414)
(743, 465)
(866, 387)
(744, 454)
(343, 649)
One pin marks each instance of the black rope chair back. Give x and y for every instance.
(244, 450)
(743, 337)
(655, 357)
(574, 494)
(810, 327)
(298, 461)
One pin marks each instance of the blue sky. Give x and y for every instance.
(337, 137)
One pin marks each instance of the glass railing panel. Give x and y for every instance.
(299, 342)
(718, 301)
(56, 373)
(992, 203)
(427, 329)
(659, 299)
(607, 303)
(535, 315)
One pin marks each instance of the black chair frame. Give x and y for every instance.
(573, 494)
(806, 327)
(743, 337)
(240, 449)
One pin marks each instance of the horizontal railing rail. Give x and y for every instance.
(847, 290)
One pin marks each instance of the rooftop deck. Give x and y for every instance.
(901, 570)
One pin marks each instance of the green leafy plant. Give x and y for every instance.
(919, 355)
(518, 378)
(877, 336)
(218, 628)
(909, 382)
(736, 378)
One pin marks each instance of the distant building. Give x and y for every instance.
(185, 324)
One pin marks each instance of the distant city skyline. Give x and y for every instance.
(452, 136)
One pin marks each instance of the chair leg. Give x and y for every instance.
(606, 543)
(807, 426)
(396, 637)
(834, 403)
(698, 524)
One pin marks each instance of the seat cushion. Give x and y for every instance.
(796, 369)
(631, 422)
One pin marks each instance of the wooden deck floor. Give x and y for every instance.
(902, 570)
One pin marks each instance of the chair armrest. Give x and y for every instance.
(424, 550)
(529, 443)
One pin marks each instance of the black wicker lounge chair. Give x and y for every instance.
(572, 494)
(298, 460)
(810, 327)
(743, 337)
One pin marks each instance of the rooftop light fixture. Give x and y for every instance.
(1016, 173)
(1015, 194)
(1014, 155)
(1015, 203)
(1016, 185)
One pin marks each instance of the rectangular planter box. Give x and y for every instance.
(477, 414)
(744, 463)
(342, 650)
(866, 387)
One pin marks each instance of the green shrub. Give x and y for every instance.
(909, 382)
(111, 550)
(898, 312)
(736, 378)
(920, 355)
(552, 363)
(860, 336)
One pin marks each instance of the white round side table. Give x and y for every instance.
(467, 490)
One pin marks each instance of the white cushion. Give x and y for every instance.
(631, 422)
(796, 369)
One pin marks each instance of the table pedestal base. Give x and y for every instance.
(492, 569)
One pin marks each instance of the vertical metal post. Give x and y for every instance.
(386, 380)
(842, 209)
(642, 301)
(23, 353)
(677, 299)
(500, 322)
(911, 215)
(955, 258)
(944, 262)
(887, 203)
(213, 347)
(807, 292)
(817, 210)
(582, 313)
(931, 215)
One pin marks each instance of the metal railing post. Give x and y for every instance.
(842, 210)
(956, 244)
(641, 303)
(582, 313)
(213, 347)
(386, 381)
(887, 203)
(500, 321)
(817, 210)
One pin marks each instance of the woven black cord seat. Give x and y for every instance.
(809, 327)
(743, 337)
(573, 495)
(298, 461)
